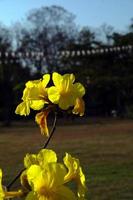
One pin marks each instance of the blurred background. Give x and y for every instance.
(48, 27)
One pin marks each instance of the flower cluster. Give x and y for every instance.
(64, 93)
(45, 178)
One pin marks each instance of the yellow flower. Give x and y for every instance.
(34, 96)
(2, 195)
(45, 179)
(65, 92)
(41, 159)
(75, 173)
(47, 183)
(79, 107)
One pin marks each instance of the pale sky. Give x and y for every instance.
(92, 13)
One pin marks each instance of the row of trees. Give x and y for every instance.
(107, 77)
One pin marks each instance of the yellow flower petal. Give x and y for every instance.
(37, 104)
(57, 78)
(23, 108)
(58, 173)
(33, 93)
(33, 83)
(73, 166)
(30, 159)
(46, 156)
(65, 103)
(79, 107)
(32, 173)
(53, 95)
(46, 79)
(41, 120)
(79, 89)
(70, 77)
(25, 96)
(75, 173)
(50, 177)
(2, 195)
(37, 92)
(82, 189)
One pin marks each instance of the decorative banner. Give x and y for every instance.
(17, 56)
(95, 51)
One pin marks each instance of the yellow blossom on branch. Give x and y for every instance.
(34, 96)
(45, 178)
(48, 183)
(65, 92)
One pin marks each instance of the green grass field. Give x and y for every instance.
(105, 150)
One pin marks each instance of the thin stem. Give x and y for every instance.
(45, 145)
(14, 180)
(52, 131)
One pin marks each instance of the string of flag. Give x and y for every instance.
(16, 56)
(96, 51)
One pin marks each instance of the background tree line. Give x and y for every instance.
(108, 78)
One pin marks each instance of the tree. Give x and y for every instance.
(86, 37)
(51, 28)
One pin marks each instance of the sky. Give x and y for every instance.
(92, 13)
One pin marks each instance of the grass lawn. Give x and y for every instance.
(105, 149)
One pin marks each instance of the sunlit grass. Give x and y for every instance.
(105, 151)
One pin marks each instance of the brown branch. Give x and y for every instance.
(45, 145)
